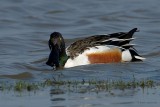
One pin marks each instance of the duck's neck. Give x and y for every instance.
(63, 58)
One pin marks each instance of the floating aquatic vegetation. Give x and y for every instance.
(81, 86)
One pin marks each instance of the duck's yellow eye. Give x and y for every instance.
(60, 39)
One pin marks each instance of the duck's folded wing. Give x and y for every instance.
(116, 39)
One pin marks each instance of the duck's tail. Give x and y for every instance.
(130, 55)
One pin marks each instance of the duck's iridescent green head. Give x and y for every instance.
(57, 46)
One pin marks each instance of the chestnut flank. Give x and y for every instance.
(111, 56)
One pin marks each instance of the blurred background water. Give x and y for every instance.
(25, 26)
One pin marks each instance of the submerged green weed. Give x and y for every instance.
(97, 85)
(22, 85)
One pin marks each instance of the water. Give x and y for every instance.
(25, 26)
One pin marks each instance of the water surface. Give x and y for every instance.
(25, 27)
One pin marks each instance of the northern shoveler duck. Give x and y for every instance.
(111, 48)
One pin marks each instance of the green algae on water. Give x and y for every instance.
(99, 85)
